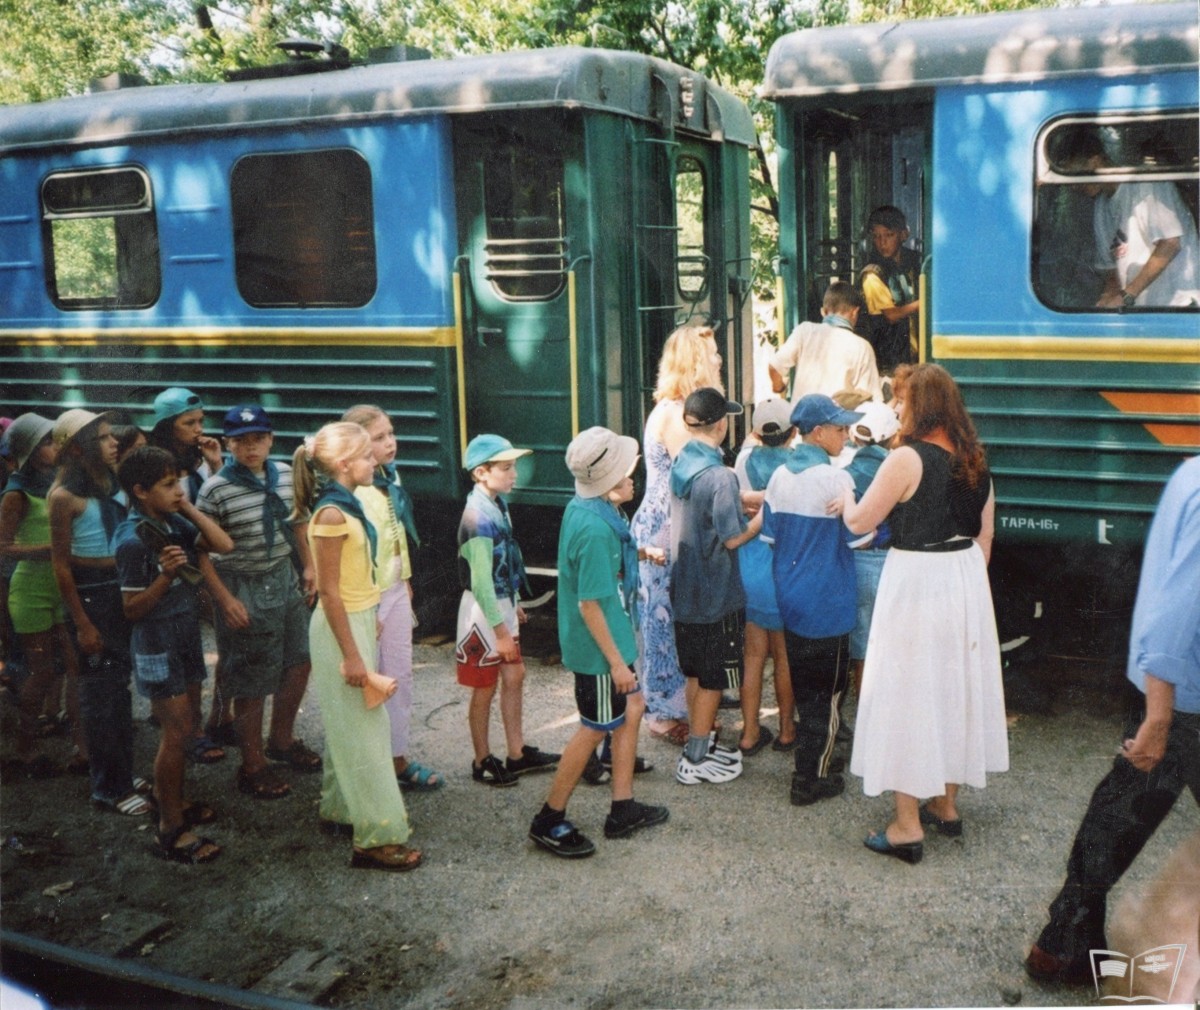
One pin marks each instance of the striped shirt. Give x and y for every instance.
(238, 511)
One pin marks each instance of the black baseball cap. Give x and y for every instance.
(707, 406)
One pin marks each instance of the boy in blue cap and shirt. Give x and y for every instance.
(815, 585)
(251, 499)
(489, 617)
(707, 598)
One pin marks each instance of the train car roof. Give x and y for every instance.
(627, 84)
(990, 48)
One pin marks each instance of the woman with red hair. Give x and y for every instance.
(931, 713)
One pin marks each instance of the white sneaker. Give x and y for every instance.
(730, 755)
(711, 769)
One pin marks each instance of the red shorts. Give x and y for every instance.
(479, 666)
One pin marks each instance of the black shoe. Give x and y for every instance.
(909, 852)
(595, 773)
(491, 772)
(729, 701)
(806, 791)
(531, 760)
(640, 764)
(951, 829)
(562, 838)
(637, 815)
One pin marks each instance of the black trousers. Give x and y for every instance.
(1125, 810)
(820, 670)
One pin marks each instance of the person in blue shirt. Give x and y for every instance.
(1160, 750)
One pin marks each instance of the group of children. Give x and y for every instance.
(310, 573)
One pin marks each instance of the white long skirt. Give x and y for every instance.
(932, 704)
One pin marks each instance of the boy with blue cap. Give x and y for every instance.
(487, 648)
(815, 585)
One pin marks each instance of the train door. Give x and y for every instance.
(513, 268)
(857, 158)
(679, 260)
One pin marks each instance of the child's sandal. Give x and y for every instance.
(200, 850)
(419, 779)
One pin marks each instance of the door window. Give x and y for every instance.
(691, 260)
(525, 255)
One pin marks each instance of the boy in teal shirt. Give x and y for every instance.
(597, 583)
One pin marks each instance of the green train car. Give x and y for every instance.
(1085, 410)
(498, 243)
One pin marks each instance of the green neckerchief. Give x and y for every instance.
(274, 508)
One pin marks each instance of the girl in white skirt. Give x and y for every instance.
(931, 715)
(359, 790)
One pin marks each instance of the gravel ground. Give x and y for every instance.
(740, 900)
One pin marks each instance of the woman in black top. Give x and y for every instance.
(931, 714)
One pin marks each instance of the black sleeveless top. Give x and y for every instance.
(941, 508)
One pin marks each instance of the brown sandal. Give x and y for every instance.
(296, 755)
(398, 858)
(262, 785)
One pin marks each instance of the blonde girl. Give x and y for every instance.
(689, 361)
(388, 506)
(359, 789)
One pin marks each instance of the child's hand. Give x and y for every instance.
(655, 555)
(234, 613)
(752, 501)
(210, 449)
(308, 584)
(623, 678)
(506, 645)
(171, 559)
(91, 643)
(354, 671)
(522, 617)
(837, 506)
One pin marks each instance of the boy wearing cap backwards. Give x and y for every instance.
(815, 587)
(489, 617)
(597, 587)
(764, 451)
(707, 528)
(251, 499)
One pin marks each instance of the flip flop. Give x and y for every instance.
(765, 736)
(262, 785)
(203, 751)
(297, 755)
(791, 745)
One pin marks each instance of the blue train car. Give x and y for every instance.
(496, 243)
(1085, 410)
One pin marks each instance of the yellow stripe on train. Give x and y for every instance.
(223, 336)
(1152, 350)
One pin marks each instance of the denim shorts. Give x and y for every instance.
(251, 661)
(167, 656)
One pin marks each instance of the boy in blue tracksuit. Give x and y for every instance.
(815, 585)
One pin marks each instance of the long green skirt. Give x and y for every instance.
(359, 786)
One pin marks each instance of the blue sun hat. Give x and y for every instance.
(170, 403)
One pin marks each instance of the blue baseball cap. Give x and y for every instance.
(490, 449)
(247, 419)
(173, 402)
(815, 409)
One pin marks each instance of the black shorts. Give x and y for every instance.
(600, 705)
(712, 653)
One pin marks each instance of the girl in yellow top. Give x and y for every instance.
(389, 508)
(359, 788)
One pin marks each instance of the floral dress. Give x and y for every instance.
(663, 684)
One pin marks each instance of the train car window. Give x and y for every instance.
(525, 256)
(304, 229)
(1116, 206)
(101, 239)
(691, 260)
